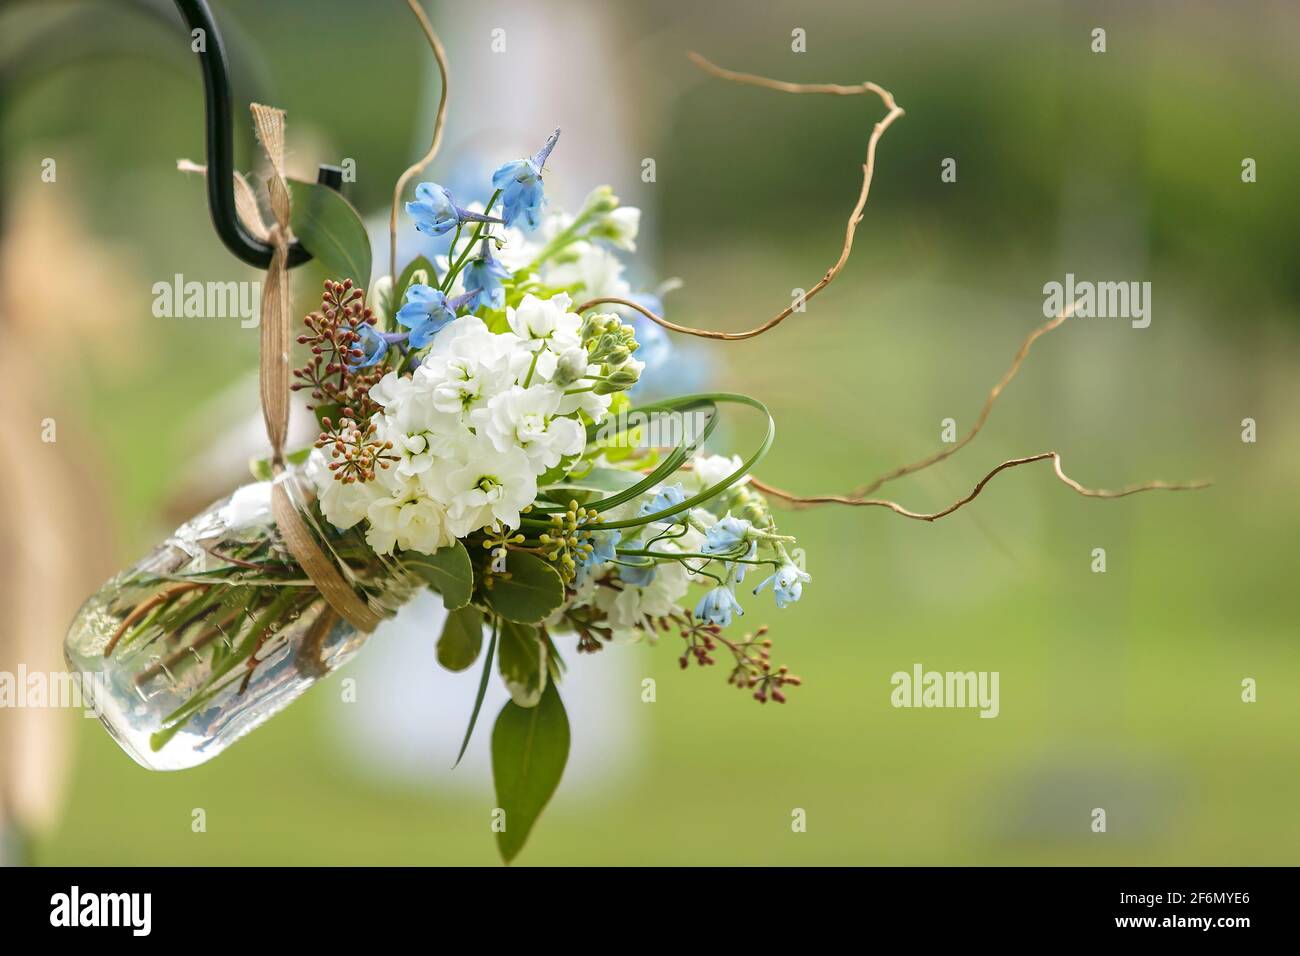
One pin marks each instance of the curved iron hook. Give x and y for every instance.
(221, 146)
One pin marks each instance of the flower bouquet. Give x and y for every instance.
(483, 434)
(480, 436)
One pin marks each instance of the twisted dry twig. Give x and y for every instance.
(994, 392)
(858, 497)
(868, 170)
(800, 501)
(440, 55)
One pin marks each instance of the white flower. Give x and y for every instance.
(632, 610)
(595, 406)
(595, 270)
(391, 389)
(489, 486)
(416, 452)
(620, 227)
(525, 418)
(466, 365)
(342, 504)
(466, 439)
(543, 322)
(573, 365)
(410, 522)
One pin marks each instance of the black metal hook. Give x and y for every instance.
(221, 146)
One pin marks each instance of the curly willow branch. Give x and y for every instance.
(799, 501)
(440, 55)
(994, 392)
(858, 497)
(868, 170)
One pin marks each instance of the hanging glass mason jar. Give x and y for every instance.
(220, 628)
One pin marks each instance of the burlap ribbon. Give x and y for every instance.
(302, 544)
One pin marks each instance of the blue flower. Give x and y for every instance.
(739, 569)
(718, 606)
(425, 311)
(669, 497)
(604, 549)
(483, 277)
(520, 182)
(787, 584)
(638, 575)
(435, 212)
(726, 536)
(372, 346)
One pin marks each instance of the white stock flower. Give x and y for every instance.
(573, 365)
(467, 440)
(342, 504)
(545, 322)
(410, 522)
(489, 486)
(466, 365)
(620, 227)
(596, 407)
(595, 270)
(525, 418)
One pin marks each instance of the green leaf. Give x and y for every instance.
(331, 230)
(611, 480)
(522, 662)
(462, 639)
(557, 474)
(482, 691)
(530, 747)
(448, 571)
(497, 322)
(531, 592)
(261, 467)
(332, 410)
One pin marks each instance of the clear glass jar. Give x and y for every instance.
(219, 629)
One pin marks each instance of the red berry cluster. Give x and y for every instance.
(753, 659)
(354, 451)
(332, 335)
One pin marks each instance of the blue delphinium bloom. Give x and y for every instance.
(435, 212)
(787, 584)
(669, 497)
(425, 310)
(483, 278)
(604, 550)
(726, 536)
(373, 346)
(520, 182)
(718, 606)
(739, 569)
(638, 575)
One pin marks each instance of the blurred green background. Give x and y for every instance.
(1119, 690)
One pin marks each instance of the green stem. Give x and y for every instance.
(454, 270)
